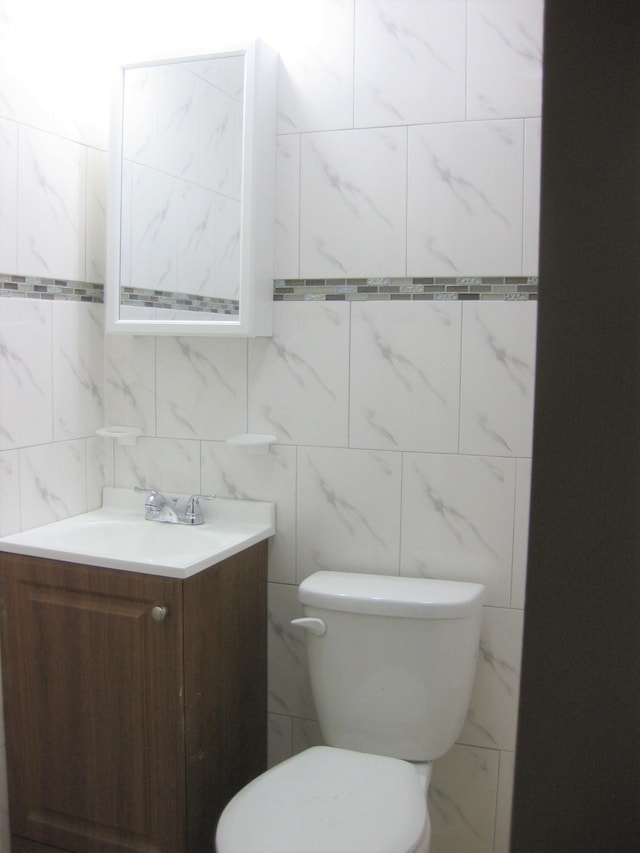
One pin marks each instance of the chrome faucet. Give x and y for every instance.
(158, 507)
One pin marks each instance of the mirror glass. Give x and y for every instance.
(188, 178)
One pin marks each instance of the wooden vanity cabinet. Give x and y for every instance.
(125, 733)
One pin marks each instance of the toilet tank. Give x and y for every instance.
(394, 670)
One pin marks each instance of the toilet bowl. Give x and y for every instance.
(330, 800)
(392, 663)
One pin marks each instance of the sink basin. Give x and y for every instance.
(117, 536)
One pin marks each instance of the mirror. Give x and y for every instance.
(191, 196)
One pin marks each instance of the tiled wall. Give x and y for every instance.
(408, 148)
(405, 437)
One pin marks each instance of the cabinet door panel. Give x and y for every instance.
(96, 708)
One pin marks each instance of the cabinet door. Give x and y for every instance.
(95, 720)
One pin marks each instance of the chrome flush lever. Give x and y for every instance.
(313, 624)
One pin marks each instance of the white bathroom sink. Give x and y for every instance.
(117, 536)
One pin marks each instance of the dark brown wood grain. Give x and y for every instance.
(126, 734)
(226, 713)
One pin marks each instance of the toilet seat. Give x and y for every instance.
(328, 800)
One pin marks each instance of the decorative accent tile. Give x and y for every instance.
(478, 288)
(413, 289)
(169, 299)
(34, 287)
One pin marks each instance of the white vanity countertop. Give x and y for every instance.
(117, 536)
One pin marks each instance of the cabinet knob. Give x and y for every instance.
(159, 614)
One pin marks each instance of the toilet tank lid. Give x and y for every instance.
(417, 598)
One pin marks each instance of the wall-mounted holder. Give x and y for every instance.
(126, 435)
(253, 442)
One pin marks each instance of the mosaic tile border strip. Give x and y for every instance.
(515, 288)
(166, 299)
(34, 287)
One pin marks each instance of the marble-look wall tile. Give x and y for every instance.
(353, 203)
(289, 687)
(78, 374)
(100, 465)
(287, 204)
(167, 464)
(140, 137)
(216, 141)
(521, 532)
(130, 381)
(493, 710)
(398, 41)
(238, 130)
(348, 511)
(196, 240)
(462, 800)
(465, 199)
(531, 224)
(126, 225)
(178, 121)
(305, 734)
(154, 229)
(227, 247)
(28, 95)
(497, 385)
(315, 78)
(51, 205)
(8, 196)
(81, 91)
(201, 387)
(25, 373)
(457, 520)
(278, 738)
(96, 215)
(53, 482)
(231, 472)
(504, 58)
(9, 492)
(405, 375)
(505, 799)
(298, 385)
(225, 74)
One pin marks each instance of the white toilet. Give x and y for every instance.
(392, 662)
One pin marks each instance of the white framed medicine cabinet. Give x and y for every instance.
(191, 195)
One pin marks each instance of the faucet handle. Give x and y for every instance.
(155, 499)
(150, 493)
(193, 512)
(143, 490)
